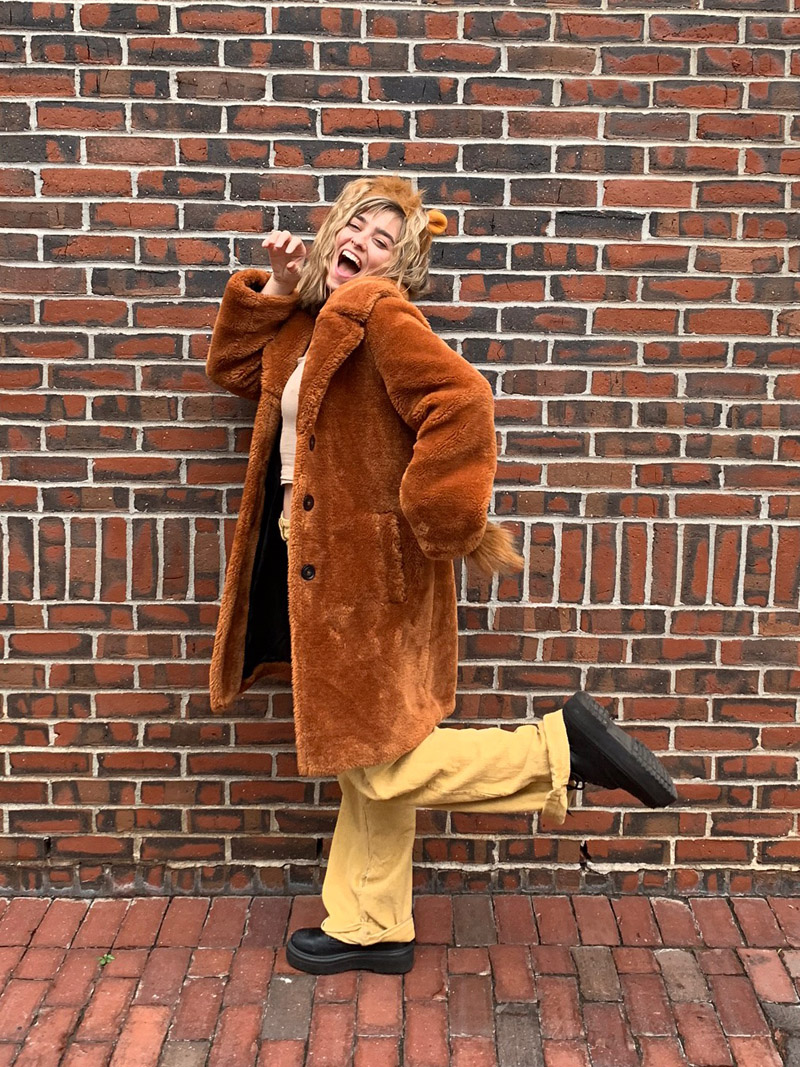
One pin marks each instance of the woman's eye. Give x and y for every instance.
(381, 244)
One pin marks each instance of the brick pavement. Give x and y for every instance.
(509, 981)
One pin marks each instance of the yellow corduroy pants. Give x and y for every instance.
(367, 886)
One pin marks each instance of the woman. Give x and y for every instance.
(370, 471)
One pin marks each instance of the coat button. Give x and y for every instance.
(308, 501)
(307, 571)
(311, 442)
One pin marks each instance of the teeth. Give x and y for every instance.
(352, 259)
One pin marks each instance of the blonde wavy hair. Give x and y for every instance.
(410, 260)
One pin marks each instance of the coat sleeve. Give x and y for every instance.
(246, 321)
(447, 487)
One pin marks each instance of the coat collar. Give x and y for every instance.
(330, 338)
(356, 299)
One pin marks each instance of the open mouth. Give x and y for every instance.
(347, 265)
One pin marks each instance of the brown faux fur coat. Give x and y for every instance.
(396, 457)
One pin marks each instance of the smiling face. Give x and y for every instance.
(364, 245)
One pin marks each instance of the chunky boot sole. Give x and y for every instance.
(395, 960)
(614, 755)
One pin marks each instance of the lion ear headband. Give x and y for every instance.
(437, 222)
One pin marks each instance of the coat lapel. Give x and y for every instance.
(335, 337)
(338, 332)
(282, 354)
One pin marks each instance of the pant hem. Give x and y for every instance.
(369, 934)
(557, 800)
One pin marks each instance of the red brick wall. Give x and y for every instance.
(621, 262)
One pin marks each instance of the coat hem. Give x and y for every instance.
(319, 769)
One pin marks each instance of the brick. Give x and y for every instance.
(661, 1052)
(374, 1052)
(737, 1006)
(141, 1038)
(74, 978)
(702, 1037)
(87, 1055)
(636, 923)
(596, 921)
(559, 1011)
(757, 922)
(140, 925)
(283, 1054)
(683, 978)
(755, 1052)
(768, 975)
(425, 1042)
(210, 962)
(427, 979)
(608, 1038)
(555, 921)
(46, 1040)
(565, 1054)
(198, 1009)
(468, 960)
(182, 922)
(288, 1010)
(337, 987)
(646, 1006)
(249, 976)
(184, 1054)
(18, 1004)
(635, 960)
(473, 920)
(597, 975)
(163, 976)
(675, 922)
(306, 912)
(552, 959)
(514, 920)
(787, 912)
(20, 919)
(126, 963)
(698, 28)
(511, 969)
(470, 1005)
(518, 1037)
(716, 922)
(39, 963)
(380, 1004)
(473, 1052)
(236, 1038)
(106, 1009)
(718, 961)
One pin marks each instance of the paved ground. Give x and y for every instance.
(511, 981)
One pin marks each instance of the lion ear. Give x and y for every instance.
(437, 222)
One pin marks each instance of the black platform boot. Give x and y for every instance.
(603, 754)
(316, 952)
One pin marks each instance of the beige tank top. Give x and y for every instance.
(289, 427)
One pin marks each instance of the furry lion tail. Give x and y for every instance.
(497, 553)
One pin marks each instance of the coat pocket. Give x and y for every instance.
(391, 552)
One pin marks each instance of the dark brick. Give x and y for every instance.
(519, 1042)
(17, 14)
(267, 54)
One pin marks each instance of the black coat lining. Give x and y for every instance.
(267, 639)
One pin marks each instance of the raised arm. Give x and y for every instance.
(246, 320)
